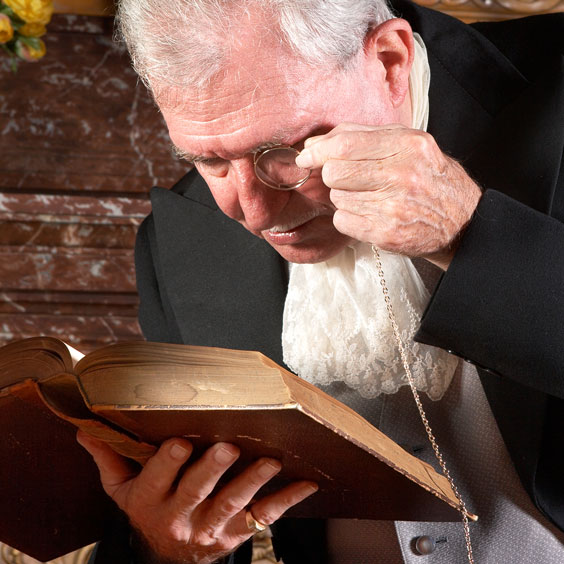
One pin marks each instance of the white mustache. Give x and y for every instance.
(295, 222)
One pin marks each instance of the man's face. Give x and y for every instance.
(267, 98)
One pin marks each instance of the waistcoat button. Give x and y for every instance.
(425, 544)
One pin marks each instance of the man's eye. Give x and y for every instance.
(217, 167)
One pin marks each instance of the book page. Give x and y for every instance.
(75, 354)
(35, 358)
(140, 352)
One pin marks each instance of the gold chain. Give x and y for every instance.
(438, 455)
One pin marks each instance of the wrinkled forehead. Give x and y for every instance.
(265, 95)
(247, 72)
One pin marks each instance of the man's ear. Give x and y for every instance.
(390, 45)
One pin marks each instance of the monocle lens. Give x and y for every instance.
(276, 167)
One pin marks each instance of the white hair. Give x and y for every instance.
(184, 42)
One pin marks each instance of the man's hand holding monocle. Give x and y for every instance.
(395, 188)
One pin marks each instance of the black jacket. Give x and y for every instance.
(496, 105)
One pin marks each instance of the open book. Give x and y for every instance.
(135, 395)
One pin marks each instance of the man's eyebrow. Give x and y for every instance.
(185, 155)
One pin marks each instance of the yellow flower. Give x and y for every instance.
(29, 53)
(6, 29)
(32, 11)
(33, 30)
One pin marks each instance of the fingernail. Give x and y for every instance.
(178, 452)
(307, 490)
(268, 469)
(224, 456)
(304, 159)
(311, 488)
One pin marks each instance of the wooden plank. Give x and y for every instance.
(84, 7)
(82, 143)
(86, 332)
(59, 268)
(17, 205)
(80, 121)
(467, 10)
(493, 10)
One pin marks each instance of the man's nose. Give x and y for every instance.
(259, 204)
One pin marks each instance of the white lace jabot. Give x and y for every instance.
(336, 325)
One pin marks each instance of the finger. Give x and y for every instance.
(201, 478)
(115, 470)
(373, 143)
(359, 227)
(269, 509)
(359, 175)
(239, 492)
(161, 470)
(346, 126)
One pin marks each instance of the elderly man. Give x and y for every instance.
(246, 86)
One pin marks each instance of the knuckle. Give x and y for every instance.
(204, 536)
(344, 142)
(191, 497)
(421, 141)
(290, 499)
(264, 516)
(176, 532)
(412, 179)
(231, 506)
(255, 481)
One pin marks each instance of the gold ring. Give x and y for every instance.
(253, 525)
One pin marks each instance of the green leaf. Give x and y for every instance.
(10, 13)
(13, 58)
(6, 10)
(32, 42)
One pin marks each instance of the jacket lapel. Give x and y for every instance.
(225, 286)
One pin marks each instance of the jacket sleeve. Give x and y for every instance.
(500, 305)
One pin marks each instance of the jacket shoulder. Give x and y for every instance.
(532, 44)
(193, 187)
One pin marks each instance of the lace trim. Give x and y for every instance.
(336, 326)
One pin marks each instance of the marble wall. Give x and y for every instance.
(81, 143)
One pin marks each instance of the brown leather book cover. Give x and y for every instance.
(135, 395)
